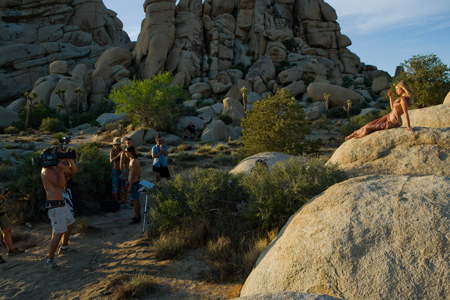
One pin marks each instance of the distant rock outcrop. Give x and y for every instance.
(425, 151)
(271, 159)
(34, 34)
(371, 237)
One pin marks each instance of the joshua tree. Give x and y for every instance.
(244, 98)
(79, 95)
(347, 108)
(327, 103)
(61, 93)
(29, 97)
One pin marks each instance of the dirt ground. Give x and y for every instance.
(110, 247)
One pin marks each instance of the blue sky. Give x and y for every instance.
(384, 33)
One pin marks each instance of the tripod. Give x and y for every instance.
(146, 187)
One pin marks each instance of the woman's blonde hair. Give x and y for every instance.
(405, 87)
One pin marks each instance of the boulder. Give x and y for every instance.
(271, 158)
(233, 108)
(183, 122)
(425, 151)
(263, 68)
(17, 105)
(7, 117)
(137, 136)
(150, 135)
(437, 116)
(107, 118)
(202, 88)
(447, 99)
(290, 75)
(206, 113)
(108, 63)
(235, 91)
(296, 88)
(380, 83)
(215, 131)
(59, 67)
(287, 296)
(370, 237)
(171, 139)
(338, 95)
(314, 111)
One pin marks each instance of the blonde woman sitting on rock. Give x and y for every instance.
(392, 119)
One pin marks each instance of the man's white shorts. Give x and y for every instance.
(60, 217)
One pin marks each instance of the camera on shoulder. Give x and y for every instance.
(51, 156)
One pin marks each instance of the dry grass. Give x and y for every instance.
(131, 286)
(168, 246)
(82, 226)
(204, 149)
(251, 255)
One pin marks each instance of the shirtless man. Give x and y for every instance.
(133, 179)
(124, 169)
(54, 181)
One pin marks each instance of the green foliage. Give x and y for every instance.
(150, 101)
(38, 112)
(275, 124)
(11, 130)
(51, 125)
(226, 119)
(307, 79)
(428, 78)
(276, 195)
(93, 177)
(340, 112)
(361, 120)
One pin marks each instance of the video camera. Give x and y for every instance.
(51, 156)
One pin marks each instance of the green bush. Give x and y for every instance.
(152, 101)
(274, 196)
(339, 111)
(275, 124)
(428, 78)
(11, 130)
(51, 125)
(38, 112)
(226, 119)
(93, 178)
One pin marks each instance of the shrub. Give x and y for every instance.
(11, 130)
(428, 78)
(183, 147)
(274, 196)
(226, 119)
(150, 101)
(93, 178)
(205, 149)
(38, 112)
(185, 157)
(51, 125)
(131, 286)
(168, 246)
(275, 124)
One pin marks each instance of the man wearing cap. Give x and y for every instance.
(114, 158)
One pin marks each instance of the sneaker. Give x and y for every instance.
(15, 251)
(135, 221)
(2, 261)
(126, 206)
(51, 265)
(64, 250)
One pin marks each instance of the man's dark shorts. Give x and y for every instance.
(163, 171)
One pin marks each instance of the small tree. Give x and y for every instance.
(275, 124)
(428, 77)
(150, 101)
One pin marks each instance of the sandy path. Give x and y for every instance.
(114, 247)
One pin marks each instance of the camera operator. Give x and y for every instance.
(54, 181)
(6, 229)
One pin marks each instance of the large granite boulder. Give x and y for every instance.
(447, 98)
(215, 131)
(233, 109)
(370, 237)
(425, 151)
(287, 296)
(7, 117)
(271, 158)
(34, 34)
(338, 95)
(437, 116)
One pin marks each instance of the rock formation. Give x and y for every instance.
(287, 296)
(425, 151)
(34, 34)
(271, 158)
(371, 237)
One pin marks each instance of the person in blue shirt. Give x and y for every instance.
(160, 152)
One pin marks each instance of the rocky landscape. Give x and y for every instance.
(381, 234)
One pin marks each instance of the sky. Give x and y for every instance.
(384, 33)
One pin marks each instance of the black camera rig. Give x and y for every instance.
(52, 156)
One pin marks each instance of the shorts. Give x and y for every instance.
(117, 184)
(4, 222)
(163, 171)
(134, 191)
(60, 217)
